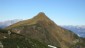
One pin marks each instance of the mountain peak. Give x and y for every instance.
(41, 15)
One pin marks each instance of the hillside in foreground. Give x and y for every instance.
(12, 40)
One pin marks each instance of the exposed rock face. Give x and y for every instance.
(44, 30)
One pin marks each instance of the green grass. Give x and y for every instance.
(22, 43)
(19, 41)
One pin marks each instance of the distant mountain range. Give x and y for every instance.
(8, 23)
(80, 30)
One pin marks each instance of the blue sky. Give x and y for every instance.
(62, 12)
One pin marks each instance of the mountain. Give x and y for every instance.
(80, 30)
(8, 23)
(44, 30)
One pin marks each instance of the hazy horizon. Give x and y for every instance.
(62, 12)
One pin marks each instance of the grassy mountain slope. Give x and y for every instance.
(46, 31)
(18, 41)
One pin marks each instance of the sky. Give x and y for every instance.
(62, 12)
